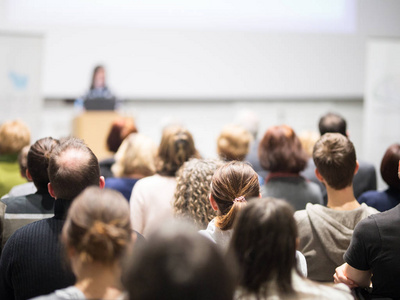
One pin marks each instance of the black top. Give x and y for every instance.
(32, 262)
(375, 246)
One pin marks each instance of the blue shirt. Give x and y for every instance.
(123, 185)
(381, 200)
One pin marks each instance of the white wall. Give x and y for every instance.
(195, 64)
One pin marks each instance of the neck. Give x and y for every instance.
(341, 199)
(99, 281)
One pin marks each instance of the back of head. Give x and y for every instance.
(176, 147)
(177, 263)
(335, 158)
(38, 161)
(120, 129)
(265, 235)
(135, 156)
(231, 186)
(23, 161)
(332, 122)
(72, 168)
(193, 189)
(14, 135)
(389, 166)
(233, 143)
(98, 226)
(280, 150)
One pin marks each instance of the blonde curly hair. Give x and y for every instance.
(193, 189)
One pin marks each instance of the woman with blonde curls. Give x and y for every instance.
(152, 197)
(96, 235)
(231, 186)
(134, 160)
(193, 189)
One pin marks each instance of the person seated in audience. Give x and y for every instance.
(14, 136)
(134, 160)
(373, 257)
(364, 180)
(233, 143)
(193, 189)
(281, 154)
(152, 197)
(120, 129)
(26, 209)
(325, 232)
(31, 263)
(176, 263)
(264, 245)
(389, 198)
(23, 188)
(96, 236)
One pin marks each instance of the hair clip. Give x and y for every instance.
(240, 199)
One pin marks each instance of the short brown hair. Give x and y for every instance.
(193, 190)
(233, 142)
(98, 225)
(176, 147)
(389, 166)
(335, 158)
(23, 161)
(72, 168)
(120, 129)
(333, 123)
(265, 235)
(280, 150)
(231, 181)
(38, 161)
(14, 135)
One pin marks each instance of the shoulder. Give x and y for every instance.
(301, 216)
(68, 293)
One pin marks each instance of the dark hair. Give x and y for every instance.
(335, 158)
(23, 161)
(332, 122)
(38, 161)
(280, 150)
(177, 263)
(389, 166)
(98, 225)
(120, 129)
(176, 147)
(72, 168)
(264, 244)
(95, 70)
(231, 181)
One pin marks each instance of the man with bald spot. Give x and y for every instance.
(31, 263)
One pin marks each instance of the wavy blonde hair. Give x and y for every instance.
(135, 155)
(14, 135)
(233, 142)
(193, 189)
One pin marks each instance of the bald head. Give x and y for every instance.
(72, 168)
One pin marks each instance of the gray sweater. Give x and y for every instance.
(325, 235)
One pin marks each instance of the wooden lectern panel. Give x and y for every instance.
(93, 127)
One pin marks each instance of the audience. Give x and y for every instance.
(233, 143)
(134, 160)
(325, 232)
(364, 180)
(96, 235)
(152, 197)
(176, 263)
(192, 191)
(31, 263)
(281, 154)
(23, 188)
(120, 129)
(264, 244)
(26, 209)
(14, 136)
(385, 200)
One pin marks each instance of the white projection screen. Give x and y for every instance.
(194, 49)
